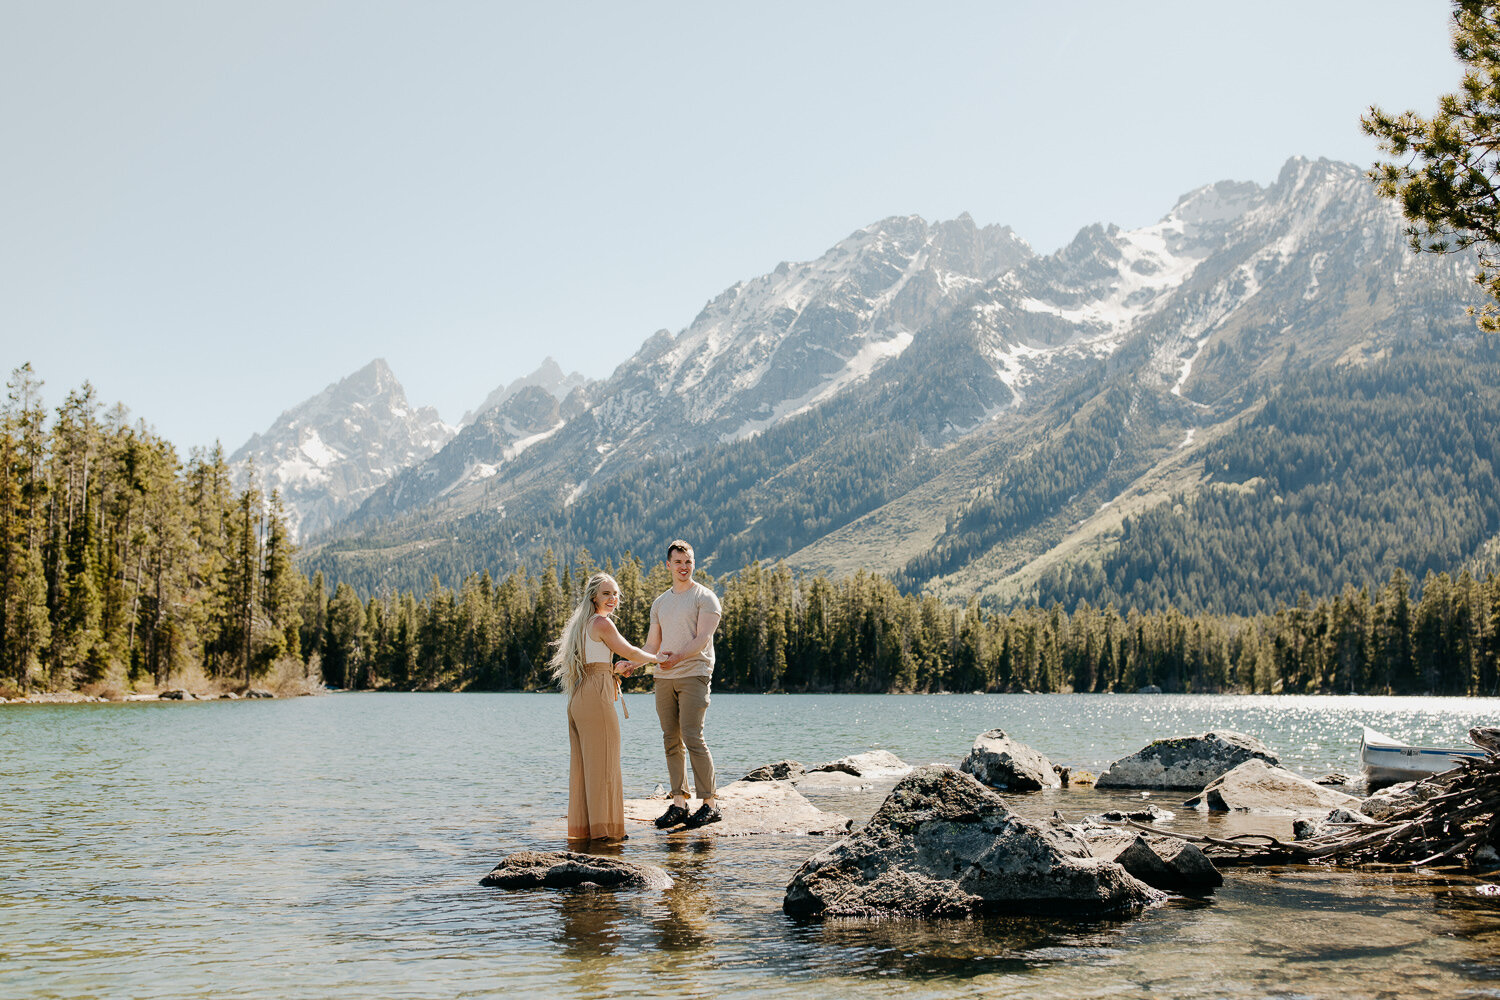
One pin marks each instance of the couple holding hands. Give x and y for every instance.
(680, 644)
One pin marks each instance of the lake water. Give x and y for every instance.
(333, 846)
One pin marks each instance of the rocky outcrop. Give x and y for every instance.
(1009, 765)
(1188, 762)
(1258, 787)
(1166, 863)
(782, 770)
(858, 772)
(750, 808)
(872, 763)
(944, 845)
(560, 869)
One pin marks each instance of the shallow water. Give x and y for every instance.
(332, 847)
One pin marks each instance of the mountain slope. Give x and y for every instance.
(758, 354)
(328, 454)
(1010, 423)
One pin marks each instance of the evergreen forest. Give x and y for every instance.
(123, 567)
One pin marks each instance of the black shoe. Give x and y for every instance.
(672, 817)
(705, 815)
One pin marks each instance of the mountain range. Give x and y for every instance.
(934, 401)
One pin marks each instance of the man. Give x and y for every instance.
(683, 620)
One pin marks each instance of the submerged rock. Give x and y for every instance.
(782, 770)
(1188, 762)
(1009, 765)
(1336, 821)
(1258, 787)
(561, 869)
(1148, 814)
(942, 845)
(1163, 862)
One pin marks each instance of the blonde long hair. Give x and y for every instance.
(567, 663)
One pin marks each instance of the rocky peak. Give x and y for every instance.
(327, 454)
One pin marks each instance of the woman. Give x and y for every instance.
(584, 670)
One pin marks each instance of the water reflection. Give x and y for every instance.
(592, 922)
(948, 949)
(685, 923)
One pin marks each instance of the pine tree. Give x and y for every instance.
(1449, 165)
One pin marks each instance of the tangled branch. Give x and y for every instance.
(1451, 826)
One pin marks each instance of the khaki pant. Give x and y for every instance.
(596, 797)
(681, 703)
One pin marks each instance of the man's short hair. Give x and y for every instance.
(679, 545)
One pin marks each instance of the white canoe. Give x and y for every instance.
(1385, 760)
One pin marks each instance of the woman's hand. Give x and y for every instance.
(625, 668)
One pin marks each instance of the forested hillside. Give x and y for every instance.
(831, 468)
(1347, 474)
(124, 568)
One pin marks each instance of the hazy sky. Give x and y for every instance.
(213, 210)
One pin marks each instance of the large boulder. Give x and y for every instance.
(1188, 762)
(1009, 765)
(942, 845)
(1258, 787)
(1168, 863)
(560, 869)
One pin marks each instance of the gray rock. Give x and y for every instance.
(1149, 814)
(1009, 765)
(258, 693)
(178, 694)
(1258, 787)
(868, 764)
(750, 808)
(1188, 762)
(782, 770)
(1167, 863)
(1395, 798)
(560, 869)
(942, 845)
(1336, 821)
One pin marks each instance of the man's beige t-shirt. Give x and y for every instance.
(677, 614)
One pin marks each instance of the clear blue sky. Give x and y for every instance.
(213, 210)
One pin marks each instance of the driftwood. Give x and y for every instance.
(1452, 827)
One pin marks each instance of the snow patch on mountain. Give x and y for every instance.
(327, 454)
(857, 369)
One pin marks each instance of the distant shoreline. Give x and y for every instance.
(259, 694)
